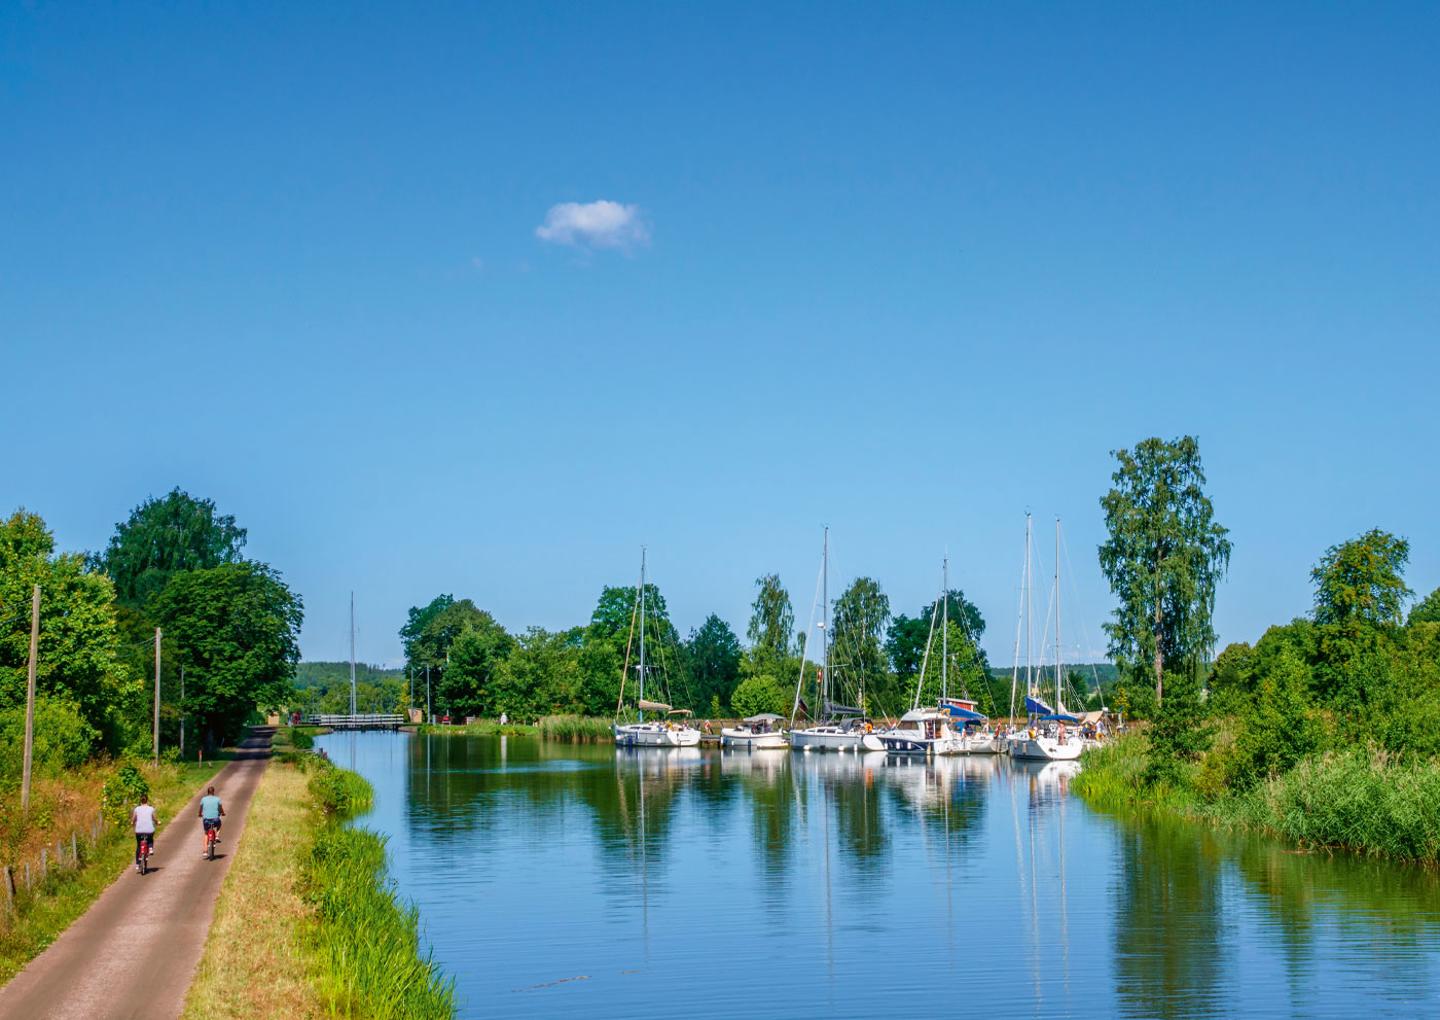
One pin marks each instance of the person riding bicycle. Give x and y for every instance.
(211, 811)
(142, 820)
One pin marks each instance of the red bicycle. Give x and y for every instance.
(143, 844)
(212, 832)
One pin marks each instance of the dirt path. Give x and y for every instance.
(134, 952)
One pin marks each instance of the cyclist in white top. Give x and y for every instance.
(142, 819)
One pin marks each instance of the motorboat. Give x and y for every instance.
(846, 735)
(922, 731)
(762, 732)
(972, 726)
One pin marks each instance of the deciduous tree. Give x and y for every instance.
(1164, 559)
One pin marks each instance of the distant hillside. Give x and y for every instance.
(324, 674)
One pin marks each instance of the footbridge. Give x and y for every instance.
(356, 722)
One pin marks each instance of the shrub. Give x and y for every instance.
(63, 738)
(339, 792)
(757, 694)
(123, 789)
(576, 729)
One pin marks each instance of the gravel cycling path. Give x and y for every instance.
(134, 952)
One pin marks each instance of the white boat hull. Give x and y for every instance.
(986, 743)
(1043, 748)
(655, 735)
(825, 738)
(903, 743)
(745, 740)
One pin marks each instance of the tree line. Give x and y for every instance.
(229, 625)
(475, 667)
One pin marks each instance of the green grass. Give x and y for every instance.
(483, 728)
(365, 942)
(576, 729)
(50, 907)
(1355, 800)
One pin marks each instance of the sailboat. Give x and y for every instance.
(836, 727)
(672, 726)
(1053, 734)
(929, 731)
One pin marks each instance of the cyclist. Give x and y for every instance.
(211, 811)
(142, 820)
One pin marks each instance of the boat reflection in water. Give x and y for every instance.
(557, 880)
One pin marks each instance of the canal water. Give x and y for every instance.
(565, 880)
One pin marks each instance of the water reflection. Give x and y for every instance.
(556, 878)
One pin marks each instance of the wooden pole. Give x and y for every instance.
(30, 700)
(157, 696)
(182, 711)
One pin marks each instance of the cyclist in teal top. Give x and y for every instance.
(211, 811)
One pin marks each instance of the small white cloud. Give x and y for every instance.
(599, 224)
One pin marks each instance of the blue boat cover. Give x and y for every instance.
(956, 712)
(1034, 706)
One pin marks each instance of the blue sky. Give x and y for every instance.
(907, 270)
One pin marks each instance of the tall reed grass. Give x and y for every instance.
(1354, 800)
(367, 943)
(576, 729)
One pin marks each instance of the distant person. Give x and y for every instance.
(504, 718)
(211, 811)
(142, 820)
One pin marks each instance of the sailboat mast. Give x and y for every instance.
(825, 638)
(1058, 671)
(1029, 608)
(352, 653)
(945, 628)
(642, 630)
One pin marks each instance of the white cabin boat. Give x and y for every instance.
(762, 732)
(840, 736)
(922, 731)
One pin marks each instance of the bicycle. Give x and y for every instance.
(142, 851)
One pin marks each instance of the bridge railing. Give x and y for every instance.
(355, 722)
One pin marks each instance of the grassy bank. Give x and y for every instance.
(1355, 800)
(479, 728)
(66, 804)
(336, 941)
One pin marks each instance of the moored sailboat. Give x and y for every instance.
(672, 728)
(836, 727)
(1052, 734)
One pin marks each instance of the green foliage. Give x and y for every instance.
(1164, 557)
(1361, 581)
(1279, 725)
(1178, 735)
(78, 658)
(576, 729)
(64, 739)
(123, 790)
(339, 793)
(1427, 610)
(323, 688)
(163, 537)
(772, 621)
(371, 963)
(235, 628)
(476, 654)
(1232, 679)
(857, 659)
(760, 693)
(540, 676)
(712, 656)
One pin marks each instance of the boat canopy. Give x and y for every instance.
(764, 717)
(962, 710)
(1059, 717)
(680, 711)
(1034, 706)
(921, 714)
(652, 706)
(833, 709)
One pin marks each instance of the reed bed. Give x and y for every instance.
(576, 729)
(1356, 800)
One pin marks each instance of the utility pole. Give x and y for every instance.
(182, 712)
(429, 719)
(30, 699)
(157, 696)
